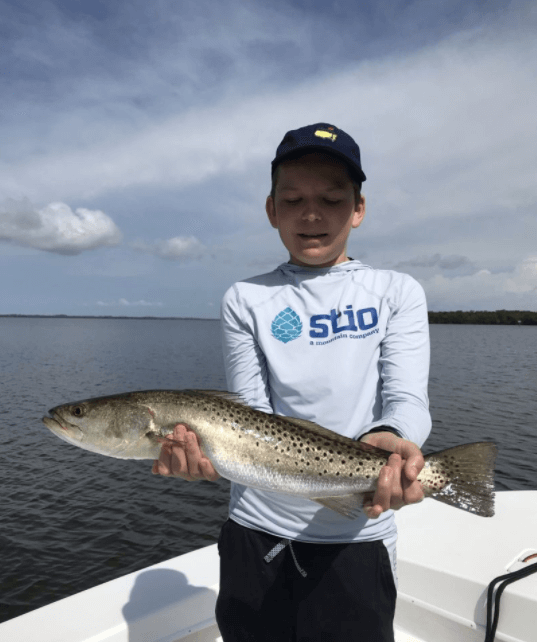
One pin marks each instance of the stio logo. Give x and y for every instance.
(358, 321)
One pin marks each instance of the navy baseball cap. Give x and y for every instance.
(320, 137)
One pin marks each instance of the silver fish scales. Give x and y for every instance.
(266, 451)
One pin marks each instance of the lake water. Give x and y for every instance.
(71, 519)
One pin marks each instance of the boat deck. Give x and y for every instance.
(446, 559)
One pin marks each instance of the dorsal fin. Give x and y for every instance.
(223, 394)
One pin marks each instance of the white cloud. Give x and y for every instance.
(451, 262)
(178, 248)
(56, 228)
(449, 123)
(485, 290)
(196, 105)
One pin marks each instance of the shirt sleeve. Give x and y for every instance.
(244, 361)
(404, 366)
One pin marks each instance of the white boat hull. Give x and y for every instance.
(446, 559)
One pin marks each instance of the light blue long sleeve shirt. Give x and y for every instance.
(346, 347)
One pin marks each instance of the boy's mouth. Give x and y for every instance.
(312, 236)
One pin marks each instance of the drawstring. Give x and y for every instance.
(278, 549)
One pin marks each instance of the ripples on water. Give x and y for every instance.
(73, 519)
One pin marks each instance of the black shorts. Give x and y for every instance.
(347, 595)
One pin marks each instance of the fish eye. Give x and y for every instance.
(78, 411)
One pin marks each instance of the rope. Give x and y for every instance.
(504, 580)
(278, 549)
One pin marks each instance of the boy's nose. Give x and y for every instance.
(311, 214)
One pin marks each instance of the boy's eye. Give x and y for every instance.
(330, 202)
(292, 201)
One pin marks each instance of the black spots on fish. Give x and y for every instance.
(317, 458)
(342, 461)
(257, 443)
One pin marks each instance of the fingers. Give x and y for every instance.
(180, 456)
(207, 470)
(389, 492)
(412, 489)
(414, 461)
(412, 492)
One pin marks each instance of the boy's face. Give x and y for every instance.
(314, 210)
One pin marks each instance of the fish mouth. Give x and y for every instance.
(52, 424)
(60, 427)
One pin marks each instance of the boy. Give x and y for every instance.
(325, 338)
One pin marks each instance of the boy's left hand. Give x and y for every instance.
(397, 484)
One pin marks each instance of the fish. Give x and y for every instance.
(267, 451)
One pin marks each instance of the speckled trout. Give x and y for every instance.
(265, 451)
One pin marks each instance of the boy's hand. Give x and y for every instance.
(180, 456)
(397, 484)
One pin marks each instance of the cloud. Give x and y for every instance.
(451, 262)
(178, 248)
(516, 289)
(56, 228)
(125, 303)
(444, 131)
(185, 107)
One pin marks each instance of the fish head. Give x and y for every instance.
(113, 426)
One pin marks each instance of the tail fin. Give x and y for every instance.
(467, 473)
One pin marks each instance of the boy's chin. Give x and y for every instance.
(314, 260)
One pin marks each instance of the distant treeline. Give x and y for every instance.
(479, 317)
(482, 317)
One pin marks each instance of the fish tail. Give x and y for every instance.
(463, 477)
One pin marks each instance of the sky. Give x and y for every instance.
(136, 140)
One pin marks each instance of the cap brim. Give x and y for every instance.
(356, 171)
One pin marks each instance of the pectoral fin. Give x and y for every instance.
(349, 506)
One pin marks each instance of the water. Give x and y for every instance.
(71, 519)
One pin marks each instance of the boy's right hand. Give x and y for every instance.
(180, 456)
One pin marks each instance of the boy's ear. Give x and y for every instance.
(359, 212)
(271, 211)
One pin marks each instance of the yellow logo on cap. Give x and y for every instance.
(323, 134)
